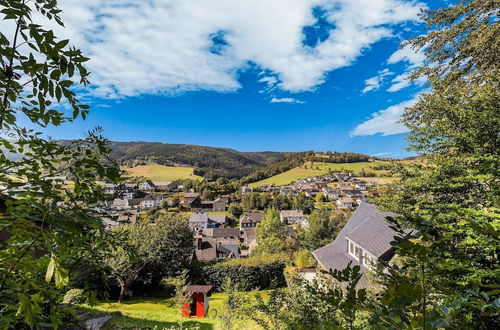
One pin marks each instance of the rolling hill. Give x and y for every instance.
(207, 161)
(157, 172)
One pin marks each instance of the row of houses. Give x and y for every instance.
(215, 241)
(131, 190)
(194, 201)
(147, 202)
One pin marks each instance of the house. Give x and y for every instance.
(248, 236)
(360, 185)
(330, 193)
(225, 198)
(226, 233)
(193, 200)
(246, 190)
(128, 217)
(199, 301)
(122, 190)
(151, 201)
(212, 248)
(365, 241)
(202, 220)
(165, 185)
(292, 216)
(250, 220)
(345, 203)
(147, 185)
(218, 205)
(120, 204)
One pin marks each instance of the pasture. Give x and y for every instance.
(157, 172)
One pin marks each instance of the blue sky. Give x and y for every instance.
(287, 76)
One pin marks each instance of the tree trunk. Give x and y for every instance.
(123, 287)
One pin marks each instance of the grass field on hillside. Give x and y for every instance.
(289, 176)
(356, 167)
(301, 173)
(157, 172)
(160, 313)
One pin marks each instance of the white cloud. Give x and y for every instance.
(286, 100)
(165, 46)
(413, 59)
(385, 122)
(373, 83)
(407, 54)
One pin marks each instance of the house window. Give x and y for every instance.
(354, 250)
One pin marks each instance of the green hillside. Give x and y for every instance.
(320, 168)
(157, 172)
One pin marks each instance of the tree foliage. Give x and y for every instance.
(48, 229)
(448, 271)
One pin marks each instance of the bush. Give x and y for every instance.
(247, 274)
(75, 297)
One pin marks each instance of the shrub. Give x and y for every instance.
(75, 297)
(249, 274)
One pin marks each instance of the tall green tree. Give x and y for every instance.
(323, 228)
(448, 272)
(270, 234)
(48, 229)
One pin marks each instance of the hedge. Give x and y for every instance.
(247, 276)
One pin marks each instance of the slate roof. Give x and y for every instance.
(292, 213)
(335, 255)
(373, 235)
(221, 232)
(229, 249)
(251, 217)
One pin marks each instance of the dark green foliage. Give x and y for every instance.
(151, 252)
(323, 228)
(265, 274)
(209, 162)
(448, 274)
(48, 230)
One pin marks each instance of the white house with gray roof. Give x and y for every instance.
(365, 240)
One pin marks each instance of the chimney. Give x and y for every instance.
(199, 241)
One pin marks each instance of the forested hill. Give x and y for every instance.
(207, 161)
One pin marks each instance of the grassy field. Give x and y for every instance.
(319, 168)
(160, 313)
(157, 172)
(290, 176)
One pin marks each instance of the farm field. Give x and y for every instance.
(323, 168)
(289, 176)
(356, 167)
(157, 172)
(160, 313)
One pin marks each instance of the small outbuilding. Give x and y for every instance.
(199, 301)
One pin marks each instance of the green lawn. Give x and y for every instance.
(319, 168)
(160, 313)
(157, 172)
(289, 176)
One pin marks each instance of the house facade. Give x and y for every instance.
(292, 216)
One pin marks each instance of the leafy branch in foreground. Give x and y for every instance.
(49, 228)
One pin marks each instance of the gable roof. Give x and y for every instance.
(292, 213)
(335, 254)
(373, 235)
(251, 217)
(222, 232)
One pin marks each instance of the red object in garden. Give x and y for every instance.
(199, 301)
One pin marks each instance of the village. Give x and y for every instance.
(221, 235)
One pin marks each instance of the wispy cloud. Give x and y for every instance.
(413, 59)
(168, 46)
(386, 121)
(373, 83)
(286, 100)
